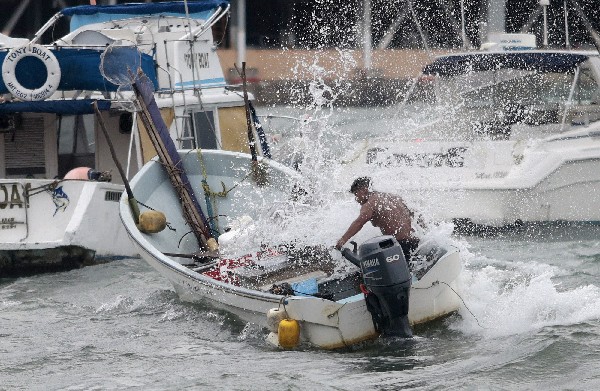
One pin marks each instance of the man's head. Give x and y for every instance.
(360, 188)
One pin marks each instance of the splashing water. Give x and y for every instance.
(502, 298)
(519, 297)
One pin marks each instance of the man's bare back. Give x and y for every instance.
(390, 214)
(383, 210)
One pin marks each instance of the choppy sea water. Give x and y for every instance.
(531, 322)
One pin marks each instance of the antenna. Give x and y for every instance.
(567, 44)
(463, 29)
(545, 4)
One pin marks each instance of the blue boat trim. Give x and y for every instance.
(215, 82)
(67, 106)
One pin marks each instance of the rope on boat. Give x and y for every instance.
(455, 292)
(44, 188)
(209, 196)
(151, 208)
(205, 186)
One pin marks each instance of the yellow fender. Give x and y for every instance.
(289, 333)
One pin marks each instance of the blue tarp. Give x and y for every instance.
(80, 70)
(68, 106)
(454, 65)
(87, 14)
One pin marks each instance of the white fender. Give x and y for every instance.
(15, 87)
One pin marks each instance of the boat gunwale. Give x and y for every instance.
(152, 251)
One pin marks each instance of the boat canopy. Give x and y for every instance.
(88, 14)
(454, 65)
(66, 107)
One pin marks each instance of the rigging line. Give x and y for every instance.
(48, 187)
(419, 28)
(456, 293)
(205, 185)
(224, 30)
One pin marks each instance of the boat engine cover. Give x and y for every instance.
(387, 278)
(382, 262)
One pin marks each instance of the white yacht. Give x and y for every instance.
(517, 138)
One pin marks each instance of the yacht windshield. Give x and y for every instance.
(506, 102)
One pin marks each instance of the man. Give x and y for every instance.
(384, 210)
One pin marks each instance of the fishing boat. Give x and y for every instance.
(281, 284)
(199, 208)
(60, 181)
(515, 140)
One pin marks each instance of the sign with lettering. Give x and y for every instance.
(197, 65)
(13, 211)
(450, 157)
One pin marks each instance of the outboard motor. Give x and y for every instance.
(387, 281)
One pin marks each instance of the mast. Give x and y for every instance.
(496, 17)
(545, 4)
(241, 31)
(567, 43)
(367, 44)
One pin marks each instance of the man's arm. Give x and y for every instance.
(366, 212)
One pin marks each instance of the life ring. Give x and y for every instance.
(10, 78)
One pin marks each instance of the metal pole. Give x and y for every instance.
(567, 43)
(496, 16)
(241, 31)
(367, 44)
(462, 24)
(544, 4)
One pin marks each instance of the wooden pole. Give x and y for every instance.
(258, 172)
(135, 211)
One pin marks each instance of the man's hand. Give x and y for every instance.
(339, 244)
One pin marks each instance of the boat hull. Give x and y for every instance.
(52, 225)
(323, 323)
(494, 183)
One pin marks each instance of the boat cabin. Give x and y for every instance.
(516, 94)
(50, 127)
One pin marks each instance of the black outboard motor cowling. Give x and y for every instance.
(387, 279)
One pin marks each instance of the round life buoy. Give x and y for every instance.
(15, 87)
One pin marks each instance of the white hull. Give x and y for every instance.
(60, 225)
(554, 180)
(323, 323)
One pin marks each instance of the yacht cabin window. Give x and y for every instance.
(202, 133)
(495, 101)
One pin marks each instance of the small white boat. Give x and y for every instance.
(516, 139)
(278, 286)
(51, 220)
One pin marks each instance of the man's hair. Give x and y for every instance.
(363, 182)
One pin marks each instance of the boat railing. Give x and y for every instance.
(211, 21)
